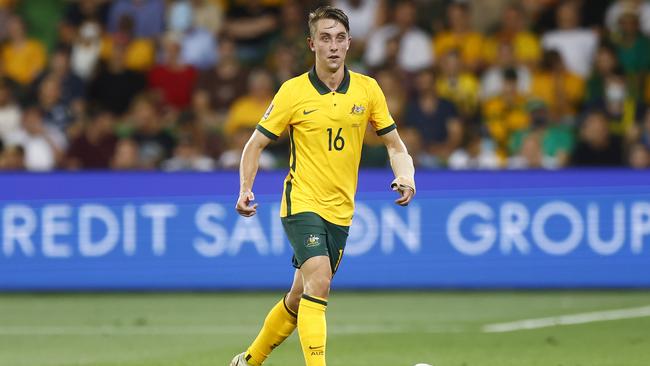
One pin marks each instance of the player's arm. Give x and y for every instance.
(248, 170)
(402, 165)
(269, 128)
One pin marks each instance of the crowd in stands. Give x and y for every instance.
(180, 85)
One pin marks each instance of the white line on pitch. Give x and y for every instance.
(582, 318)
(115, 330)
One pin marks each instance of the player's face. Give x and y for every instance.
(330, 43)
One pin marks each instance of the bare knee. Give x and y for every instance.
(292, 300)
(318, 285)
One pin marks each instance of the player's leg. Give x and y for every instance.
(278, 325)
(312, 325)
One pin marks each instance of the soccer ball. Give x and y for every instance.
(422, 364)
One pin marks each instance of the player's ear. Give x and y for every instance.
(310, 44)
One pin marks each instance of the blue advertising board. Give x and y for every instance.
(157, 231)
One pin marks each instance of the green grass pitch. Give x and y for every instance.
(375, 328)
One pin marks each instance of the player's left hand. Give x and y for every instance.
(244, 206)
(406, 194)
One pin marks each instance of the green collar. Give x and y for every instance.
(323, 89)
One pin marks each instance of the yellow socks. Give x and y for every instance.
(312, 329)
(278, 325)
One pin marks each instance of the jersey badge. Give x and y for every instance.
(358, 109)
(312, 241)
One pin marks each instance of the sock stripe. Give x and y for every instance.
(291, 312)
(314, 299)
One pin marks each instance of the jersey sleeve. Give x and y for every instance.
(380, 117)
(277, 116)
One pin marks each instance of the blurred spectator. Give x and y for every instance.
(413, 51)
(640, 132)
(55, 112)
(493, 79)
(252, 26)
(188, 157)
(198, 46)
(230, 158)
(79, 12)
(395, 92)
(596, 146)
(203, 112)
(460, 37)
(9, 112)
(459, 86)
(155, 142)
(210, 123)
(5, 15)
(71, 86)
(559, 89)
(42, 17)
(226, 81)
(284, 64)
(557, 137)
(86, 50)
(66, 34)
(126, 156)
(506, 113)
(576, 45)
(23, 58)
(475, 153)
(435, 118)
(247, 110)
(531, 155)
(208, 15)
(292, 38)
(638, 7)
(12, 158)
(524, 44)
(633, 51)
(43, 145)
(364, 16)
(605, 67)
(619, 107)
(95, 146)
(114, 86)
(139, 52)
(173, 79)
(639, 157)
(148, 16)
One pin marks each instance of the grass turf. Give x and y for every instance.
(378, 329)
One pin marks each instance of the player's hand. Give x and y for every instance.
(244, 206)
(406, 192)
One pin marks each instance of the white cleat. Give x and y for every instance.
(239, 360)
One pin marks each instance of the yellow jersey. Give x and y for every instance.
(326, 130)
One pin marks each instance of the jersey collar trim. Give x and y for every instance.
(323, 89)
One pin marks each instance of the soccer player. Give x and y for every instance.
(326, 111)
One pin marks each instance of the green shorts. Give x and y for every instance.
(310, 235)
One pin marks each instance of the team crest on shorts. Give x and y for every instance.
(312, 241)
(358, 109)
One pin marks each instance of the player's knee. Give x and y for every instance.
(293, 299)
(319, 286)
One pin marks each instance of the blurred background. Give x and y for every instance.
(179, 85)
(522, 258)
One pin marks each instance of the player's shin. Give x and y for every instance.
(312, 328)
(278, 325)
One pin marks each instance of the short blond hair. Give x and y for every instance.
(327, 12)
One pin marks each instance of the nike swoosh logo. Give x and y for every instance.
(310, 347)
(306, 112)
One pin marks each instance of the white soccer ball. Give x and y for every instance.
(422, 364)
